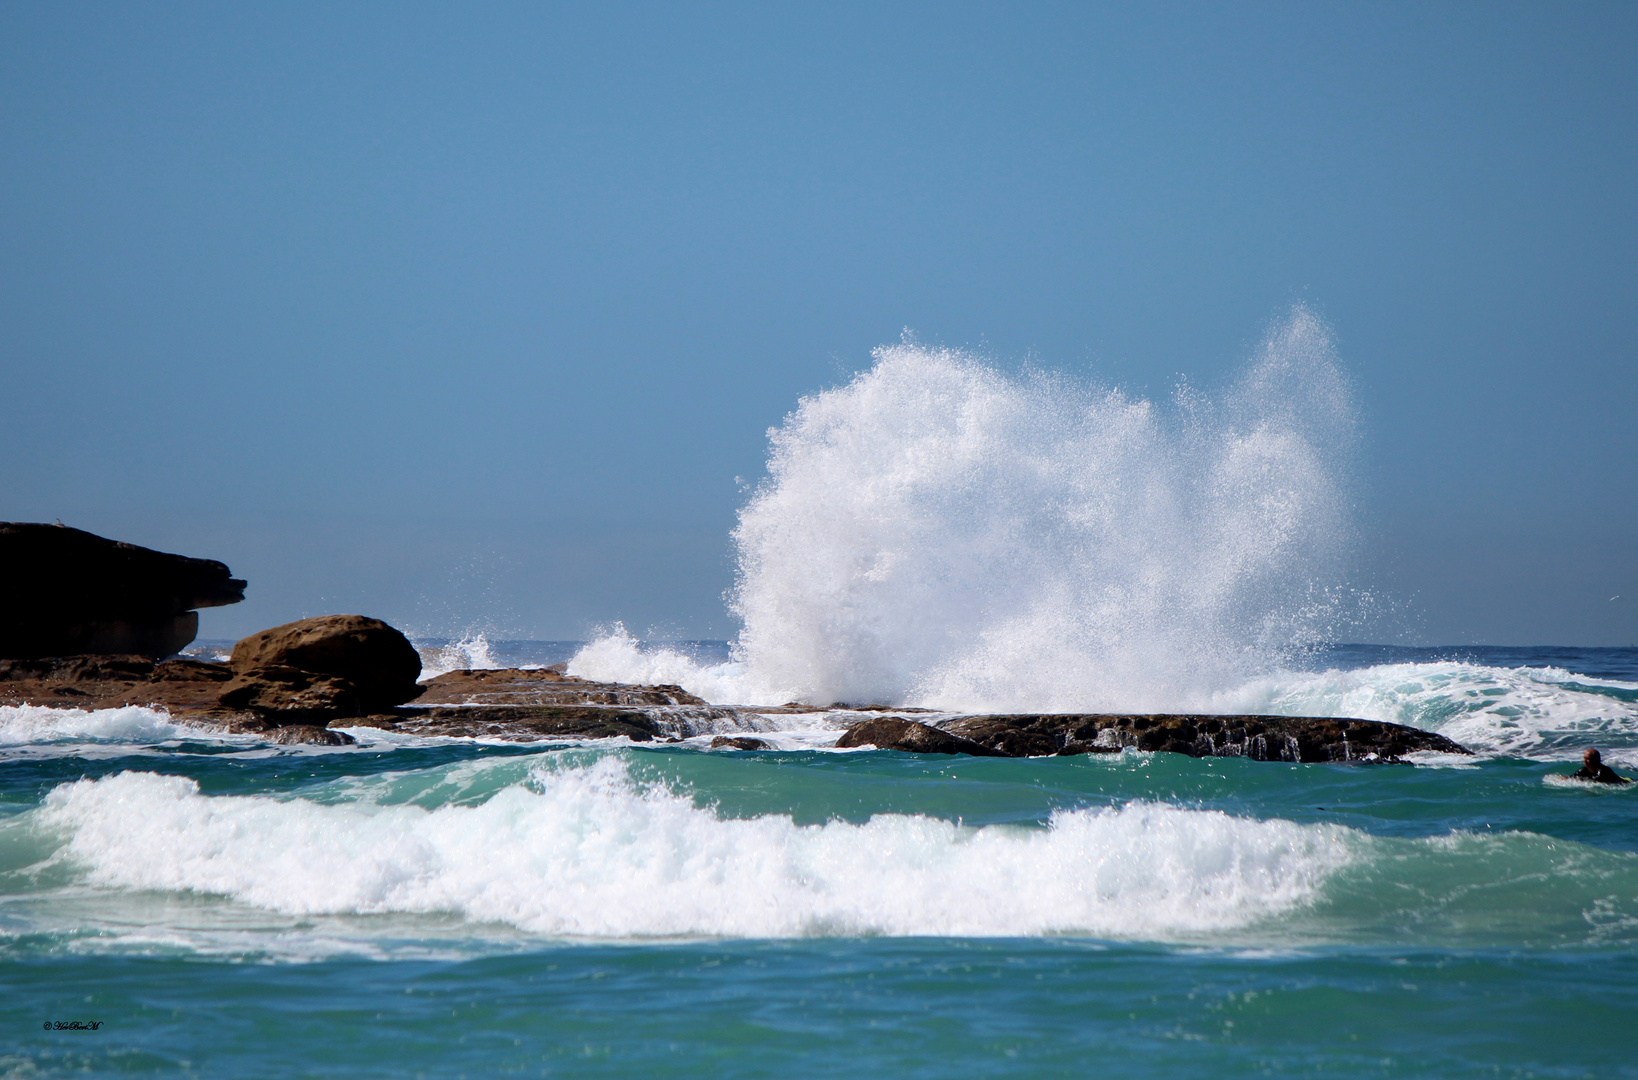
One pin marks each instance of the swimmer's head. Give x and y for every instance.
(1591, 759)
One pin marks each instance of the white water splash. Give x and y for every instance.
(939, 533)
(22, 725)
(473, 652)
(617, 656)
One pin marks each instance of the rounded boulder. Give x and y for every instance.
(376, 659)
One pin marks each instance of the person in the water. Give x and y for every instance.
(1594, 769)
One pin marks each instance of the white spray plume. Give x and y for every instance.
(938, 532)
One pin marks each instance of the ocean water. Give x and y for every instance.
(936, 533)
(446, 907)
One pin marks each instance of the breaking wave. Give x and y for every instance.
(589, 851)
(582, 847)
(29, 724)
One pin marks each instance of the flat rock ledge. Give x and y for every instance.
(519, 723)
(1260, 738)
(528, 705)
(520, 705)
(894, 733)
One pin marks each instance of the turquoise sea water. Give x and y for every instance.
(446, 908)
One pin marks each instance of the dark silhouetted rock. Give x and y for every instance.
(738, 742)
(892, 733)
(1261, 738)
(377, 662)
(67, 592)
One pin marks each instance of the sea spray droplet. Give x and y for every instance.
(471, 652)
(938, 532)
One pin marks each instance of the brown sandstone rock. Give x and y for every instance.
(290, 695)
(518, 723)
(544, 686)
(377, 662)
(106, 682)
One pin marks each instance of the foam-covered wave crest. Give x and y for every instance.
(21, 725)
(587, 851)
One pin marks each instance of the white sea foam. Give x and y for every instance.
(586, 851)
(24, 724)
(939, 533)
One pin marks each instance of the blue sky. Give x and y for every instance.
(472, 315)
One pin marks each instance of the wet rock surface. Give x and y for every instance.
(300, 734)
(519, 723)
(739, 742)
(108, 682)
(294, 695)
(544, 686)
(191, 691)
(67, 592)
(894, 733)
(284, 703)
(287, 704)
(546, 703)
(1261, 738)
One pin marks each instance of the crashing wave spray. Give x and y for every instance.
(937, 532)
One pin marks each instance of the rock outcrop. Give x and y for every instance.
(300, 676)
(66, 592)
(288, 704)
(545, 686)
(359, 664)
(893, 733)
(1261, 738)
(189, 690)
(291, 683)
(108, 682)
(739, 742)
(535, 703)
(519, 723)
(291, 695)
